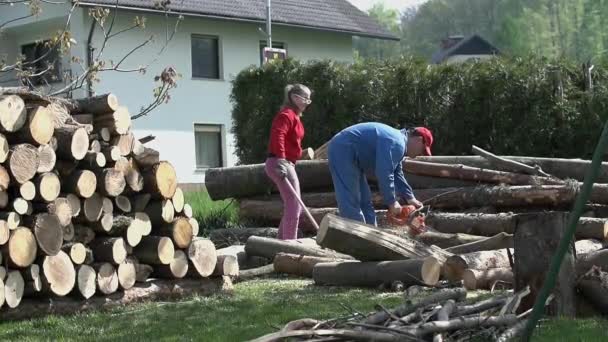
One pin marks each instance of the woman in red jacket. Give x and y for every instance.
(284, 149)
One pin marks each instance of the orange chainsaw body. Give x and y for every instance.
(409, 217)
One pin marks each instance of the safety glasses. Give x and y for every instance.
(305, 100)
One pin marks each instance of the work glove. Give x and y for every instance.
(282, 167)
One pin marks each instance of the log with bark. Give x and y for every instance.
(536, 239)
(177, 268)
(498, 241)
(27, 190)
(46, 158)
(48, 187)
(12, 219)
(22, 162)
(131, 227)
(72, 142)
(233, 236)
(455, 265)
(21, 249)
(112, 250)
(110, 182)
(100, 104)
(180, 231)
(86, 281)
(178, 200)
(160, 212)
(486, 279)
(203, 257)
(126, 274)
(118, 121)
(123, 204)
(155, 250)
(269, 248)
(160, 180)
(93, 161)
(38, 129)
(255, 273)
(48, 232)
(107, 279)
(272, 212)
(594, 287)
(13, 288)
(81, 182)
(13, 113)
(504, 164)
(77, 252)
(226, 265)
(59, 207)
(58, 274)
(245, 261)
(443, 240)
(299, 265)
(148, 158)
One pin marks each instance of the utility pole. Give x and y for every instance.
(269, 24)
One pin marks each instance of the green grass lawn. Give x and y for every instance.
(256, 308)
(212, 214)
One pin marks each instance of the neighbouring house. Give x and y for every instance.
(214, 42)
(455, 49)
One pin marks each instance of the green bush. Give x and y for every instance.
(524, 106)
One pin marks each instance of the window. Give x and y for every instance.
(205, 57)
(264, 43)
(41, 58)
(208, 146)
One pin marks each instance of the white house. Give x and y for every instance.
(457, 49)
(215, 41)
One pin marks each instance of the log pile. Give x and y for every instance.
(85, 207)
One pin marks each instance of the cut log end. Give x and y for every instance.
(27, 190)
(40, 127)
(4, 232)
(77, 252)
(22, 247)
(49, 186)
(59, 273)
(86, 281)
(80, 142)
(23, 162)
(178, 200)
(13, 113)
(13, 220)
(123, 203)
(4, 148)
(49, 233)
(82, 182)
(47, 158)
(203, 255)
(126, 274)
(431, 271)
(107, 279)
(13, 289)
(75, 204)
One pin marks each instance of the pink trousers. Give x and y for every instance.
(288, 229)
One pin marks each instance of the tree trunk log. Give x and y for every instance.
(255, 272)
(13, 287)
(536, 240)
(48, 232)
(46, 158)
(13, 113)
(86, 281)
(498, 241)
(508, 165)
(5, 232)
(12, 219)
(123, 203)
(33, 280)
(272, 212)
(455, 266)
(160, 212)
(203, 258)
(27, 191)
(236, 236)
(132, 227)
(443, 240)
(127, 274)
(104, 224)
(60, 207)
(81, 182)
(112, 250)
(77, 252)
(143, 272)
(75, 204)
(23, 162)
(38, 130)
(155, 250)
(269, 248)
(21, 249)
(4, 148)
(133, 176)
(83, 234)
(107, 279)
(180, 231)
(124, 142)
(118, 122)
(160, 180)
(148, 158)
(178, 200)
(594, 287)
(110, 182)
(227, 265)
(299, 265)
(59, 275)
(92, 209)
(195, 226)
(72, 142)
(93, 161)
(368, 243)
(141, 201)
(485, 279)
(178, 268)
(48, 187)
(111, 153)
(94, 105)
(68, 233)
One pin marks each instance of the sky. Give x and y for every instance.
(395, 4)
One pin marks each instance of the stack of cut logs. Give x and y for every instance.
(86, 207)
(494, 221)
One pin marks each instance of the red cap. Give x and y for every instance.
(427, 138)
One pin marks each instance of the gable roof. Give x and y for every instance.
(471, 45)
(328, 15)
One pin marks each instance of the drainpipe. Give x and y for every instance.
(89, 56)
(269, 24)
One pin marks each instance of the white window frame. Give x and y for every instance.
(213, 128)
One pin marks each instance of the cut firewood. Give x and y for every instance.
(48, 186)
(536, 239)
(22, 207)
(227, 265)
(110, 182)
(508, 165)
(83, 234)
(21, 248)
(27, 190)
(178, 268)
(455, 265)
(178, 200)
(77, 252)
(38, 130)
(272, 213)
(13, 286)
(188, 212)
(148, 158)
(124, 142)
(131, 227)
(32, 278)
(300, 265)
(12, 219)
(485, 279)
(123, 203)
(105, 134)
(104, 224)
(155, 250)
(13, 113)
(93, 161)
(411, 272)
(59, 275)
(68, 232)
(95, 146)
(160, 212)
(46, 158)
(195, 227)
(72, 142)
(74, 202)
(48, 232)
(100, 104)
(5, 179)
(122, 165)
(107, 279)
(142, 272)
(368, 243)
(112, 250)
(4, 148)
(110, 153)
(107, 206)
(126, 274)
(81, 182)
(59, 207)
(160, 180)
(138, 148)
(140, 202)
(3, 273)
(118, 122)
(5, 232)
(444, 240)
(180, 231)
(23, 162)
(203, 257)
(133, 176)
(498, 241)
(92, 208)
(269, 248)
(86, 281)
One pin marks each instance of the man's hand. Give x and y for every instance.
(282, 166)
(395, 208)
(416, 203)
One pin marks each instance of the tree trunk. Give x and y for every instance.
(38, 130)
(269, 248)
(203, 258)
(141, 201)
(104, 224)
(46, 158)
(13, 220)
(93, 161)
(118, 122)
(110, 182)
(23, 162)
(124, 142)
(508, 165)
(583, 247)
(21, 248)
(59, 275)
(111, 153)
(13, 286)
(594, 287)
(188, 211)
(160, 212)
(371, 274)
(155, 250)
(272, 212)
(112, 250)
(443, 240)
(33, 280)
(60, 207)
(368, 243)
(536, 240)
(75, 204)
(142, 272)
(94, 105)
(148, 158)
(77, 252)
(485, 279)
(68, 233)
(123, 203)
(126, 274)
(178, 268)
(132, 227)
(178, 200)
(72, 142)
(160, 180)
(255, 272)
(584, 262)
(299, 265)
(498, 241)
(95, 145)
(4, 148)
(227, 265)
(83, 234)
(180, 231)
(27, 191)
(86, 281)
(195, 226)
(81, 182)
(48, 232)
(236, 236)
(5, 232)
(22, 207)
(13, 113)
(48, 187)
(107, 279)
(455, 265)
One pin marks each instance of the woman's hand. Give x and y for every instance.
(282, 167)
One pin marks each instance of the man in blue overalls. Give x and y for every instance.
(378, 148)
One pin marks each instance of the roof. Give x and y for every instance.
(471, 45)
(328, 15)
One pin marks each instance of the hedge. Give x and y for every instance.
(523, 106)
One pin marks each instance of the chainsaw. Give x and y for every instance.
(411, 218)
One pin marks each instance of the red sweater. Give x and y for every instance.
(286, 135)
